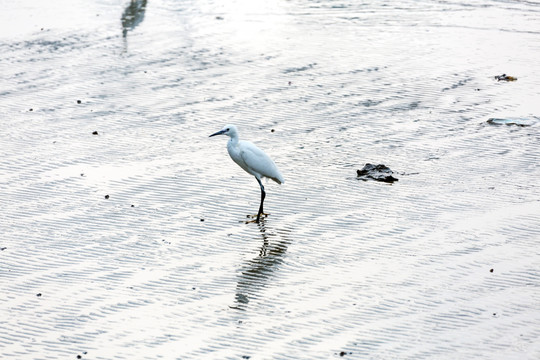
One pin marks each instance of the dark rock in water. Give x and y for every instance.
(376, 172)
(517, 121)
(505, 77)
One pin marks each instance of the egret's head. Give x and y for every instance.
(229, 130)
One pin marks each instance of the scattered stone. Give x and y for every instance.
(272, 130)
(219, 17)
(30, 109)
(95, 133)
(106, 196)
(505, 77)
(490, 270)
(376, 172)
(2, 249)
(290, 83)
(132, 205)
(79, 101)
(202, 219)
(494, 314)
(79, 357)
(38, 294)
(246, 357)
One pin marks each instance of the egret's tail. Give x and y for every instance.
(279, 179)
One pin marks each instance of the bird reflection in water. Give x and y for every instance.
(259, 270)
(132, 16)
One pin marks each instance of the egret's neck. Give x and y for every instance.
(233, 140)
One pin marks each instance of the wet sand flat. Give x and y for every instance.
(124, 231)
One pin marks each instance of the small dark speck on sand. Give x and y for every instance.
(79, 357)
(490, 270)
(219, 17)
(290, 83)
(95, 133)
(30, 109)
(193, 288)
(272, 130)
(246, 357)
(202, 219)
(107, 196)
(2, 249)
(79, 101)
(132, 205)
(38, 294)
(343, 353)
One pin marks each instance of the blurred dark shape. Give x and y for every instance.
(516, 121)
(505, 77)
(133, 15)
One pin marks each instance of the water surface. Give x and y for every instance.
(166, 266)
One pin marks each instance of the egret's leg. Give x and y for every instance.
(263, 195)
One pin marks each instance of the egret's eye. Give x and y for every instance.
(227, 129)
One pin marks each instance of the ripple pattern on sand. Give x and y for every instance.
(124, 226)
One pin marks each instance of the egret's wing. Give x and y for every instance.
(257, 161)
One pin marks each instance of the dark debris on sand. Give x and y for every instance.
(376, 172)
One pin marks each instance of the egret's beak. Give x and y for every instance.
(220, 132)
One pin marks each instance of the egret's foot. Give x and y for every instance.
(255, 218)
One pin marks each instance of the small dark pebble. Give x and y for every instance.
(106, 196)
(490, 270)
(38, 294)
(343, 353)
(202, 219)
(79, 357)
(30, 109)
(132, 205)
(494, 314)
(85, 352)
(2, 249)
(246, 357)
(219, 17)
(290, 83)
(193, 288)
(95, 133)
(272, 130)
(79, 101)
(41, 29)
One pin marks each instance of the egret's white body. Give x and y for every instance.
(252, 159)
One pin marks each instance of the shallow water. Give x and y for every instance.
(167, 268)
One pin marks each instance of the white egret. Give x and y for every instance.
(252, 159)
